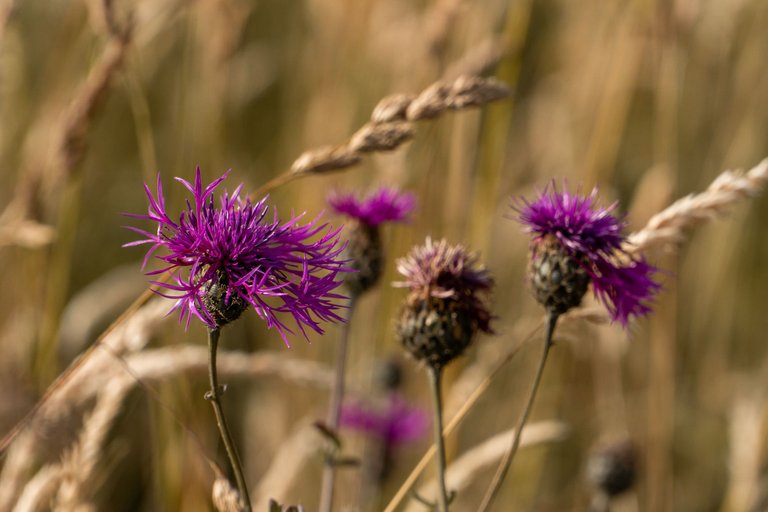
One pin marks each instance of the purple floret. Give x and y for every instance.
(384, 205)
(278, 268)
(623, 283)
(398, 422)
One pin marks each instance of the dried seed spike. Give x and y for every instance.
(380, 136)
(325, 159)
(430, 103)
(225, 497)
(392, 108)
(668, 227)
(473, 91)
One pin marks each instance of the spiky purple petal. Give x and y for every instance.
(384, 205)
(278, 268)
(623, 283)
(397, 422)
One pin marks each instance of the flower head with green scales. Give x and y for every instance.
(225, 258)
(576, 242)
(447, 301)
(384, 205)
(364, 248)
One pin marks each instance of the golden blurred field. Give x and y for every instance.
(650, 101)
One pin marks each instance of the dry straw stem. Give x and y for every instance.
(79, 463)
(465, 469)
(75, 124)
(26, 233)
(71, 390)
(39, 491)
(162, 363)
(668, 227)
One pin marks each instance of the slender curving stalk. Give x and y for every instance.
(214, 396)
(601, 502)
(506, 461)
(435, 377)
(334, 409)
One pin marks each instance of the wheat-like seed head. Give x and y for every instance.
(225, 497)
(668, 226)
(391, 119)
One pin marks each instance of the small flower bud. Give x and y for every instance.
(612, 467)
(365, 257)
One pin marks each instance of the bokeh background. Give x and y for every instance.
(649, 100)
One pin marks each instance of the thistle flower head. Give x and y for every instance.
(226, 257)
(576, 242)
(384, 205)
(364, 249)
(447, 301)
(396, 422)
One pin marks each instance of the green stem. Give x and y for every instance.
(435, 375)
(334, 410)
(214, 397)
(506, 461)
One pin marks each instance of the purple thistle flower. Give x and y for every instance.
(224, 259)
(395, 423)
(447, 301)
(384, 205)
(364, 248)
(591, 238)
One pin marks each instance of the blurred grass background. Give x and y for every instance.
(648, 100)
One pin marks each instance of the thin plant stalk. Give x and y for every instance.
(435, 378)
(601, 502)
(506, 461)
(214, 396)
(334, 410)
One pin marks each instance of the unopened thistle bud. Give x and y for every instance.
(576, 243)
(446, 304)
(612, 467)
(364, 250)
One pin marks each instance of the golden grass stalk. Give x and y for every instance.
(67, 392)
(80, 462)
(463, 471)
(668, 227)
(40, 490)
(162, 363)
